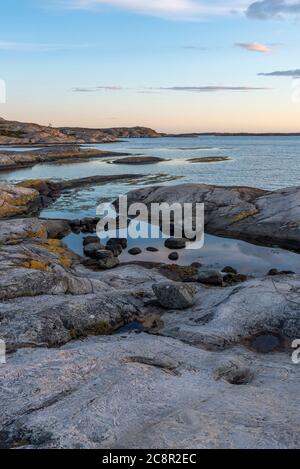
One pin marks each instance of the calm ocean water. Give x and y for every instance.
(265, 162)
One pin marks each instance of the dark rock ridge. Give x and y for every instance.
(138, 160)
(209, 159)
(20, 133)
(59, 153)
(30, 196)
(254, 215)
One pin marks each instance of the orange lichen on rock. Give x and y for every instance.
(54, 246)
(244, 215)
(16, 200)
(36, 265)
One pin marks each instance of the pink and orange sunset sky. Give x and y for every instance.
(173, 65)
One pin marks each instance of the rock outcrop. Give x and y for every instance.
(20, 133)
(10, 160)
(145, 391)
(28, 197)
(138, 160)
(16, 200)
(216, 374)
(240, 212)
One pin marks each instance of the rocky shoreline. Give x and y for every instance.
(209, 365)
(23, 133)
(10, 160)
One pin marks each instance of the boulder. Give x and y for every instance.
(174, 295)
(175, 243)
(106, 259)
(229, 270)
(134, 251)
(210, 277)
(116, 249)
(113, 241)
(90, 240)
(152, 249)
(173, 256)
(16, 201)
(91, 249)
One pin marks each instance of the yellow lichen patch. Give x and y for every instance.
(37, 184)
(41, 232)
(55, 247)
(36, 265)
(244, 215)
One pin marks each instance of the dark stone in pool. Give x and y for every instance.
(88, 229)
(90, 250)
(134, 326)
(210, 277)
(116, 249)
(152, 249)
(87, 221)
(232, 279)
(75, 223)
(113, 241)
(101, 254)
(273, 272)
(135, 251)
(90, 240)
(173, 256)
(197, 265)
(266, 343)
(175, 243)
(229, 270)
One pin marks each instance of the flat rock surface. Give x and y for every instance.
(176, 396)
(75, 379)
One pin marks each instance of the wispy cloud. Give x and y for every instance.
(180, 9)
(254, 47)
(192, 9)
(273, 9)
(190, 47)
(212, 89)
(192, 89)
(36, 47)
(284, 73)
(93, 89)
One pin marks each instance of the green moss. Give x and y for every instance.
(11, 133)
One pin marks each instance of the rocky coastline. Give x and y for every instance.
(10, 160)
(23, 133)
(203, 358)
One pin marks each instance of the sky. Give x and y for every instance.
(173, 65)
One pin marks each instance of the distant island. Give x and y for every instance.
(20, 133)
(23, 133)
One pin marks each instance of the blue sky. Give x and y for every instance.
(174, 65)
